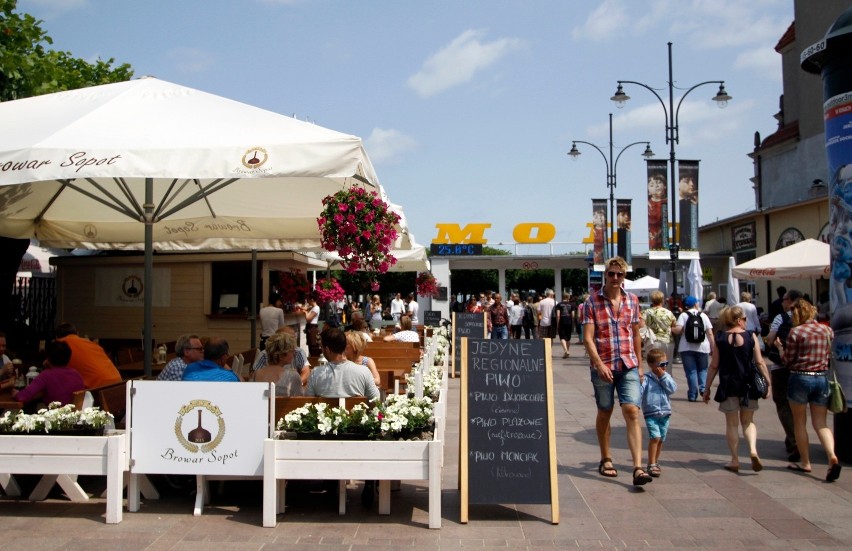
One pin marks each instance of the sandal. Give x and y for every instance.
(640, 477)
(654, 470)
(833, 472)
(610, 471)
(756, 465)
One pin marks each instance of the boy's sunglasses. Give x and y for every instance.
(663, 364)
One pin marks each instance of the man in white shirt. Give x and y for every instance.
(411, 305)
(545, 309)
(751, 315)
(713, 308)
(694, 355)
(340, 378)
(397, 307)
(271, 319)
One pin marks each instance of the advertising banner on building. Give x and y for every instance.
(623, 218)
(599, 219)
(658, 204)
(687, 190)
(126, 287)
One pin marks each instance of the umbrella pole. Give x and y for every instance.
(148, 297)
(253, 310)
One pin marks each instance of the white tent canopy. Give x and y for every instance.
(647, 283)
(803, 260)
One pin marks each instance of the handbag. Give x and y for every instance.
(836, 397)
(759, 383)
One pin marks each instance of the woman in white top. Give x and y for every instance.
(312, 311)
(375, 309)
(405, 333)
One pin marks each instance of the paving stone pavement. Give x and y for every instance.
(695, 504)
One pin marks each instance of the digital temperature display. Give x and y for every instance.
(469, 249)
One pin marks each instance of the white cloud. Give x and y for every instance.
(761, 60)
(458, 62)
(603, 23)
(387, 145)
(191, 60)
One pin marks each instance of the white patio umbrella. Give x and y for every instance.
(695, 281)
(806, 259)
(733, 283)
(148, 164)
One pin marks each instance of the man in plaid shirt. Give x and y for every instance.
(612, 340)
(188, 349)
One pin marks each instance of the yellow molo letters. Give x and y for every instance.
(525, 232)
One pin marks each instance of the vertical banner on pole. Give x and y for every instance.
(658, 200)
(600, 222)
(623, 219)
(688, 199)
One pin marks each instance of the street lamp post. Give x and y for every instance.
(611, 179)
(672, 137)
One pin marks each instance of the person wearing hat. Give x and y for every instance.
(694, 355)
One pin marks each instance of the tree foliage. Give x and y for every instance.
(28, 67)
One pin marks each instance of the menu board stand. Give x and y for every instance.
(507, 448)
(465, 325)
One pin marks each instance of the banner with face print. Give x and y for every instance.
(623, 223)
(687, 191)
(658, 200)
(600, 223)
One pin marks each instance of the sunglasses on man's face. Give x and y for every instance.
(615, 274)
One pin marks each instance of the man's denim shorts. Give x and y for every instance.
(625, 382)
(658, 426)
(808, 389)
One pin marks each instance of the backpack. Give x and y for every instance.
(693, 329)
(783, 330)
(529, 316)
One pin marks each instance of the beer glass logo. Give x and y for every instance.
(193, 431)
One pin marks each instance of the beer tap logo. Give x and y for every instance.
(198, 438)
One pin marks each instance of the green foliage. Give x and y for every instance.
(29, 68)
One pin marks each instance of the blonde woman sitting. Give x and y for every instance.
(355, 346)
(279, 369)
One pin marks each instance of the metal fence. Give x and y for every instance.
(34, 305)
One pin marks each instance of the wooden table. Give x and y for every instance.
(6, 400)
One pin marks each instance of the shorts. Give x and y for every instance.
(565, 330)
(658, 426)
(734, 403)
(625, 382)
(808, 389)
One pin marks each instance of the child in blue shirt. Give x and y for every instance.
(657, 387)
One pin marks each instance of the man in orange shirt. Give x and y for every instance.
(88, 358)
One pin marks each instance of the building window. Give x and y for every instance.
(231, 287)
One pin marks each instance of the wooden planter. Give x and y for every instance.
(342, 460)
(62, 458)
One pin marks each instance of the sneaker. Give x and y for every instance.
(566, 355)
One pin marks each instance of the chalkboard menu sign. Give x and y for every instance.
(508, 452)
(432, 318)
(465, 325)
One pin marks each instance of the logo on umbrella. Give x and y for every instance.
(255, 157)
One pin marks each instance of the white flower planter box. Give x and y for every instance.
(58, 456)
(360, 460)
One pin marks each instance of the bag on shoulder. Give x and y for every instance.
(836, 397)
(529, 316)
(693, 329)
(759, 387)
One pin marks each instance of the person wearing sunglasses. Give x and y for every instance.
(657, 389)
(188, 349)
(612, 341)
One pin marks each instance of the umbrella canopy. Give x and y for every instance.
(733, 283)
(148, 164)
(695, 280)
(803, 260)
(222, 174)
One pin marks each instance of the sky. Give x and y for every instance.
(468, 108)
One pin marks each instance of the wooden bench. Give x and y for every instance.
(111, 398)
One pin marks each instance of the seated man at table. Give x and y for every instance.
(57, 383)
(340, 378)
(405, 333)
(214, 365)
(87, 358)
(189, 350)
(300, 361)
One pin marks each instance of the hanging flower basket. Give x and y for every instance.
(293, 286)
(329, 289)
(427, 285)
(361, 228)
